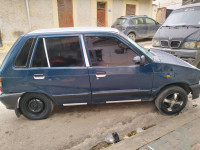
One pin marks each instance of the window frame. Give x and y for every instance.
(29, 55)
(46, 50)
(112, 36)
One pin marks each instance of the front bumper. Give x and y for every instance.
(195, 90)
(10, 100)
(185, 54)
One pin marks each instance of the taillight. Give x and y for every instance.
(0, 86)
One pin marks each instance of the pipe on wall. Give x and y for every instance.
(28, 14)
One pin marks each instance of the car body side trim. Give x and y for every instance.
(124, 101)
(74, 104)
(84, 52)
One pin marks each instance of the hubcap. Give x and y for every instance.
(35, 105)
(132, 36)
(173, 102)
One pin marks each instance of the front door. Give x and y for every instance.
(65, 13)
(58, 69)
(113, 74)
(101, 14)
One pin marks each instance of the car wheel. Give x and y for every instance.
(36, 106)
(132, 36)
(171, 100)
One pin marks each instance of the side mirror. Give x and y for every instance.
(139, 60)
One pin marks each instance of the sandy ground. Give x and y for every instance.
(77, 127)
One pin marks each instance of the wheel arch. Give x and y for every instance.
(26, 93)
(183, 85)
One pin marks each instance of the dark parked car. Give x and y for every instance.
(180, 34)
(79, 66)
(137, 27)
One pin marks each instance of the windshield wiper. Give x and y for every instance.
(193, 26)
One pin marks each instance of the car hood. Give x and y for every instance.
(166, 58)
(177, 33)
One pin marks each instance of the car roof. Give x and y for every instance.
(133, 16)
(189, 5)
(74, 30)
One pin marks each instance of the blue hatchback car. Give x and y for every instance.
(79, 66)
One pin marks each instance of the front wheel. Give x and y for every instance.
(36, 106)
(171, 100)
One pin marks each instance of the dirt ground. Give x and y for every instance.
(76, 127)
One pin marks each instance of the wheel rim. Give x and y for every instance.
(35, 105)
(173, 102)
(132, 36)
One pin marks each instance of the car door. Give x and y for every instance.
(58, 69)
(152, 27)
(138, 26)
(113, 74)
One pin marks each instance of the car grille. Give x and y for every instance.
(164, 43)
(175, 44)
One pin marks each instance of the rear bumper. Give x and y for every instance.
(10, 100)
(195, 90)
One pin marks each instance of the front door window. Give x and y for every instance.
(109, 51)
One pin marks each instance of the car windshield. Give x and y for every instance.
(186, 16)
(120, 21)
(143, 50)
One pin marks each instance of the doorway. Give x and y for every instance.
(101, 14)
(65, 13)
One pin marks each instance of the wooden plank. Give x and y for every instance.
(65, 13)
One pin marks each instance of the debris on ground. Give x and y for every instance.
(138, 130)
(112, 138)
(100, 146)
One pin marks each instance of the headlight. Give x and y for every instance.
(156, 43)
(190, 45)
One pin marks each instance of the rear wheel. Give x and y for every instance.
(171, 100)
(36, 106)
(132, 36)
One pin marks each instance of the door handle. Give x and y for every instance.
(101, 74)
(39, 76)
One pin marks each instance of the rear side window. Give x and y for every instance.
(39, 59)
(24, 54)
(64, 51)
(137, 21)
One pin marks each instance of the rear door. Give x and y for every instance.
(58, 69)
(113, 74)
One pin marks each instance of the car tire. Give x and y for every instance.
(132, 36)
(171, 100)
(36, 106)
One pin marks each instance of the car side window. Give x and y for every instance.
(109, 51)
(137, 21)
(39, 59)
(64, 52)
(150, 21)
(25, 52)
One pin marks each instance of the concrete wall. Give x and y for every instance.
(84, 13)
(145, 7)
(44, 14)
